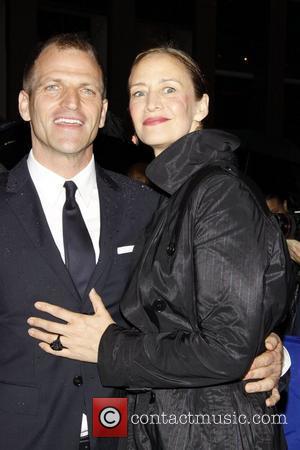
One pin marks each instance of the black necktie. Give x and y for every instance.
(79, 250)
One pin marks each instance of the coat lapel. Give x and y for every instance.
(24, 201)
(111, 212)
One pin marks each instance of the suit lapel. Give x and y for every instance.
(111, 212)
(24, 201)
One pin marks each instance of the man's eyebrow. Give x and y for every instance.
(90, 84)
(60, 80)
(46, 80)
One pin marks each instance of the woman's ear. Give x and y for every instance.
(24, 105)
(201, 108)
(135, 139)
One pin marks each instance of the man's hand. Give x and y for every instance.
(267, 369)
(294, 249)
(80, 335)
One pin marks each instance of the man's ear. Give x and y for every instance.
(103, 113)
(201, 108)
(24, 105)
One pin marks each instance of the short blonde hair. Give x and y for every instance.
(62, 41)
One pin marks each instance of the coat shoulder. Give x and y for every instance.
(133, 191)
(3, 182)
(3, 178)
(235, 186)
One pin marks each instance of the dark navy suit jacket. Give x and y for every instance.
(41, 396)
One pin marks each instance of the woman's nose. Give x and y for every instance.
(153, 101)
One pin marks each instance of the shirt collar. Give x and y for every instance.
(50, 184)
(86, 181)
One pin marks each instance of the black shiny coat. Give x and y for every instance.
(209, 286)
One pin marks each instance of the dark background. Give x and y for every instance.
(249, 51)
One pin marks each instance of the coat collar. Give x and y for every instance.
(186, 156)
(18, 177)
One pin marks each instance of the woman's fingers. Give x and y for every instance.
(64, 352)
(96, 300)
(42, 336)
(97, 303)
(47, 325)
(56, 311)
(81, 333)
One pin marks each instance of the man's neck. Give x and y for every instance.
(67, 166)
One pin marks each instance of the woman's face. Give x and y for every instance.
(162, 103)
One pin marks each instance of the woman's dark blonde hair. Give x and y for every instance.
(188, 62)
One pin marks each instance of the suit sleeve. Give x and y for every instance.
(233, 275)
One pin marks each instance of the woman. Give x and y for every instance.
(209, 286)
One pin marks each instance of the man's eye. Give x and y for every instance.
(52, 88)
(169, 90)
(88, 91)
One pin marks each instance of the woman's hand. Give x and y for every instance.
(80, 335)
(267, 369)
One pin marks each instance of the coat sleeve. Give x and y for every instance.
(239, 284)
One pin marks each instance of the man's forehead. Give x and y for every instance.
(54, 61)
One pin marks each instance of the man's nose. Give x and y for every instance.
(71, 99)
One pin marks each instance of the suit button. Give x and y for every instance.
(77, 380)
(171, 249)
(159, 305)
(152, 397)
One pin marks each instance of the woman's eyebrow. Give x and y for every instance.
(139, 83)
(164, 80)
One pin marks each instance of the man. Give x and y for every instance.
(278, 204)
(43, 400)
(51, 204)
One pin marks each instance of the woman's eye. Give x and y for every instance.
(137, 94)
(169, 90)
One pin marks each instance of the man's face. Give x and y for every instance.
(276, 205)
(65, 106)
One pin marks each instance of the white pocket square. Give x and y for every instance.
(125, 249)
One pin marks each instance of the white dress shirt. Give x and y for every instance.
(52, 194)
